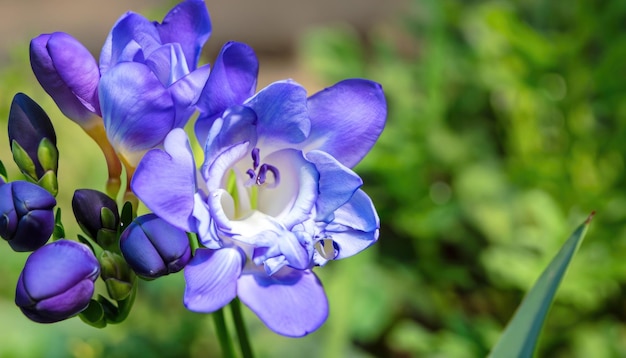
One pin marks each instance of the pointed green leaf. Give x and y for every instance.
(520, 336)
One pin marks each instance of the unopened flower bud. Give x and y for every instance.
(33, 142)
(154, 248)
(56, 60)
(97, 215)
(57, 281)
(26, 215)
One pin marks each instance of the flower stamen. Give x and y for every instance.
(260, 178)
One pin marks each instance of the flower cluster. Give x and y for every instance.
(273, 197)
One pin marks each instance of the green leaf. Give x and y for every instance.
(520, 336)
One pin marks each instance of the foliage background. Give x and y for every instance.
(506, 127)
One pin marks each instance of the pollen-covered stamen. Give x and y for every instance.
(260, 178)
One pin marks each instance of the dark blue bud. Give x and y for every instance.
(26, 215)
(97, 214)
(154, 248)
(31, 128)
(57, 281)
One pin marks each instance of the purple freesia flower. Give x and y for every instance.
(145, 83)
(277, 195)
(57, 281)
(150, 83)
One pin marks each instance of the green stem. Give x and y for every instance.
(222, 334)
(193, 242)
(240, 327)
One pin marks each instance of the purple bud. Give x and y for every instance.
(57, 281)
(27, 217)
(28, 126)
(69, 74)
(154, 248)
(97, 215)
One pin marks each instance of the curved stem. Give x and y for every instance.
(222, 334)
(240, 327)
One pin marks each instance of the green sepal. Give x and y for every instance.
(93, 315)
(59, 230)
(107, 218)
(127, 215)
(108, 239)
(117, 289)
(49, 182)
(48, 155)
(3, 173)
(117, 275)
(117, 314)
(23, 161)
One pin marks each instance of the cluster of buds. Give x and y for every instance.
(58, 278)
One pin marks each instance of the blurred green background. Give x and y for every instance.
(506, 128)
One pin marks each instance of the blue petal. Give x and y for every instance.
(214, 173)
(291, 302)
(130, 29)
(138, 111)
(284, 244)
(211, 278)
(188, 23)
(281, 110)
(186, 92)
(165, 181)
(237, 125)
(168, 63)
(232, 81)
(355, 226)
(347, 119)
(56, 59)
(337, 183)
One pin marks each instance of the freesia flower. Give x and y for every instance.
(154, 248)
(26, 215)
(51, 290)
(145, 84)
(150, 82)
(276, 195)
